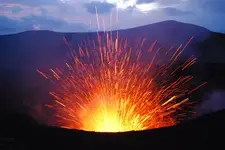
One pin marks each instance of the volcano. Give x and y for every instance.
(24, 91)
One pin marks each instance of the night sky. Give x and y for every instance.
(79, 15)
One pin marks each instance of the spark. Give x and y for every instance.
(107, 88)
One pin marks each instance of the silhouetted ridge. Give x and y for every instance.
(204, 132)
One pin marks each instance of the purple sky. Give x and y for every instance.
(79, 15)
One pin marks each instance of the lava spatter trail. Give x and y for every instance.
(107, 88)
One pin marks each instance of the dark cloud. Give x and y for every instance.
(32, 2)
(171, 11)
(217, 6)
(170, 2)
(9, 26)
(16, 9)
(102, 7)
(145, 1)
(44, 11)
(162, 2)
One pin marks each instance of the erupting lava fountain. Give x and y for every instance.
(107, 87)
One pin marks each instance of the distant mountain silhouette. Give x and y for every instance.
(21, 54)
(18, 131)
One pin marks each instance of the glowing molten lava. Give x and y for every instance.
(107, 88)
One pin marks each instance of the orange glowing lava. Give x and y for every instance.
(107, 88)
